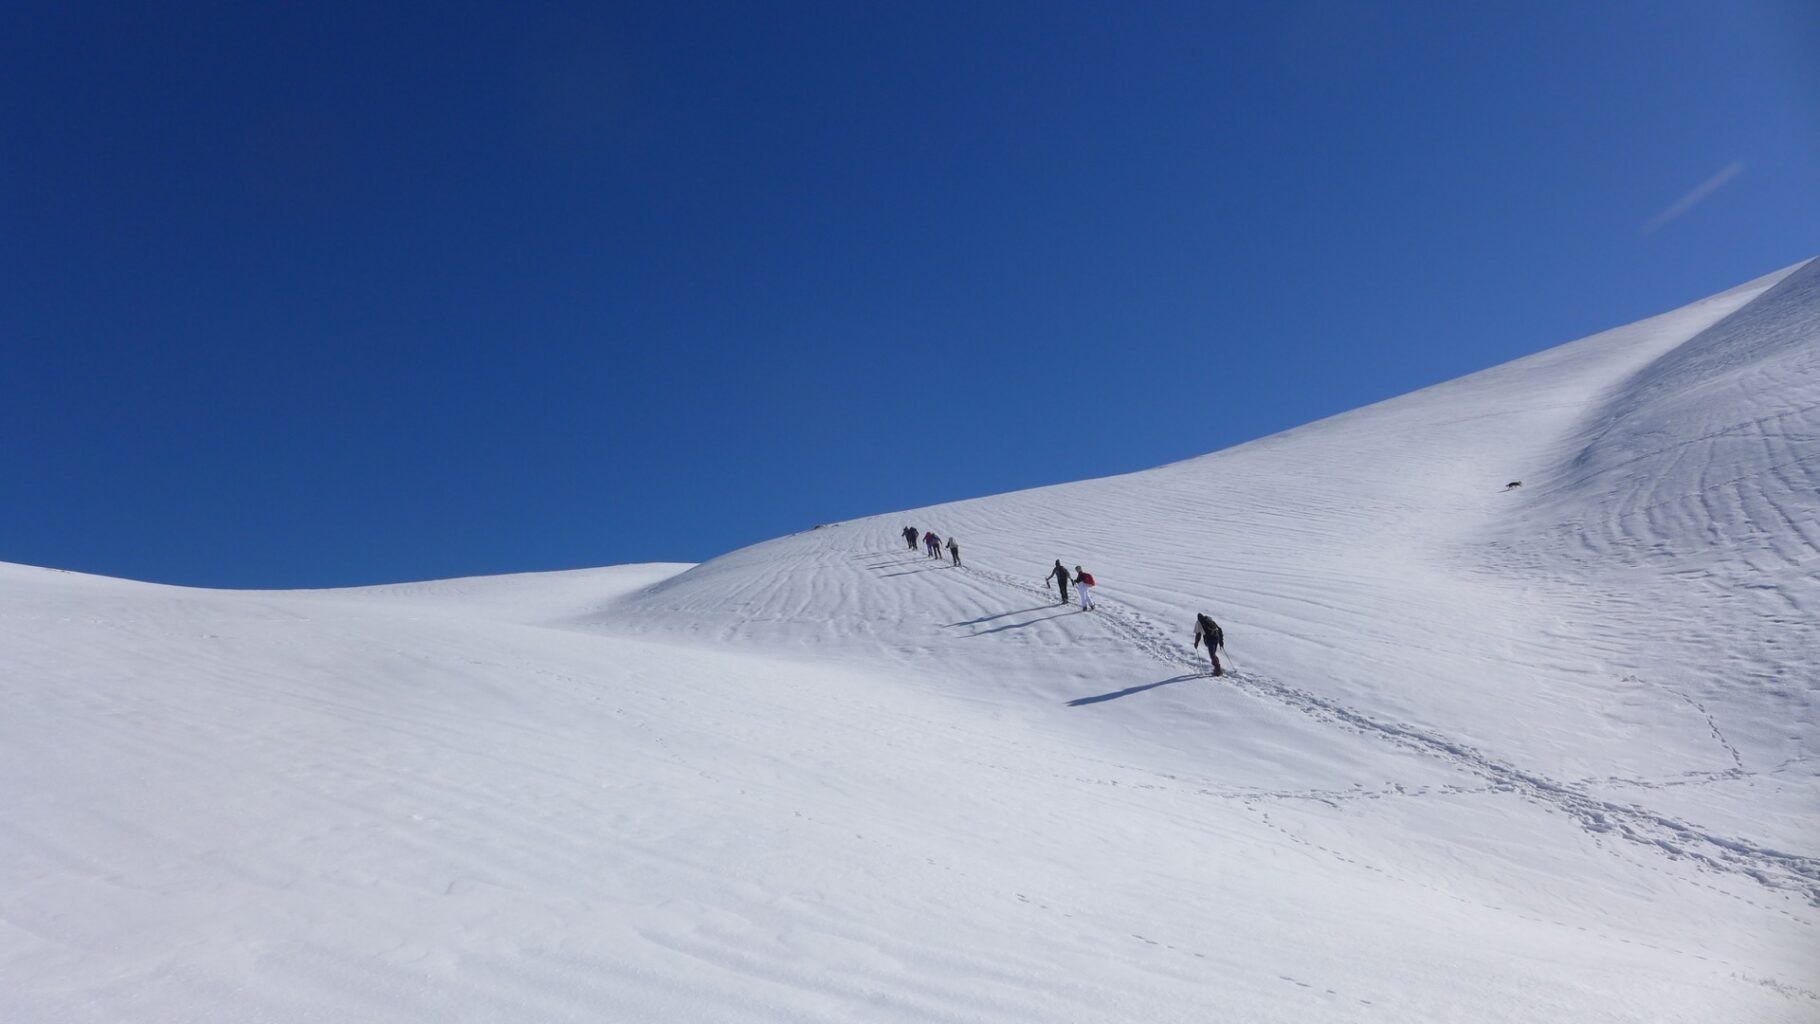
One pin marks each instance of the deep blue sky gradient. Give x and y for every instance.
(295, 295)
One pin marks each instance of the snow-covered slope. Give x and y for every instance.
(1543, 753)
(1656, 573)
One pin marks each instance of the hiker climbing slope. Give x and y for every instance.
(910, 534)
(1209, 632)
(1060, 576)
(954, 549)
(1083, 581)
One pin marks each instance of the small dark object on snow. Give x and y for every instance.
(1513, 485)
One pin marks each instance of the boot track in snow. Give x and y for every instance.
(1776, 870)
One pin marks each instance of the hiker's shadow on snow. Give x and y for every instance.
(1129, 690)
(901, 561)
(907, 572)
(1000, 615)
(1018, 625)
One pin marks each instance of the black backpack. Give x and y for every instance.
(1212, 633)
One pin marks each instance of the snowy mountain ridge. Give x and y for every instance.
(1488, 754)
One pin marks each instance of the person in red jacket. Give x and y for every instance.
(932, 544)
(1083, 582)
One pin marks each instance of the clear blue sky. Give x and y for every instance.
(293, 295)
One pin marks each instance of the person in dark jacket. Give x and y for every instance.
(954, 549)
(1207, 631)
(910, 534)
(932, 544)
(1060, 576)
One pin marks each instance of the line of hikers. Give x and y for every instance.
(932, 544)
(1206, 631)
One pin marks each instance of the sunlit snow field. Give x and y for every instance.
(1488, 755)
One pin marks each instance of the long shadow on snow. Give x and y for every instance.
(1018, 625)
(1129, 690)
(907, 572)
(1000, 615)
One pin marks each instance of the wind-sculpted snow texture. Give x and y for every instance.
(1488, 754)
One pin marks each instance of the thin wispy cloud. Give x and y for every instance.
(1695, 197)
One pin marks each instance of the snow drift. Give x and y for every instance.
(1489, 754)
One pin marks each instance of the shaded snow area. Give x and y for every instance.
(1542, 754)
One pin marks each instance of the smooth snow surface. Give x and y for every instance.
(1511, 755)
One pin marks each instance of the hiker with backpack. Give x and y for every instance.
(1060, 576)
(910, 535)
(954, 549)
(932, 544)
(1209, 632)
(1083, 581)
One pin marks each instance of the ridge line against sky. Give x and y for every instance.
(337, 296)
